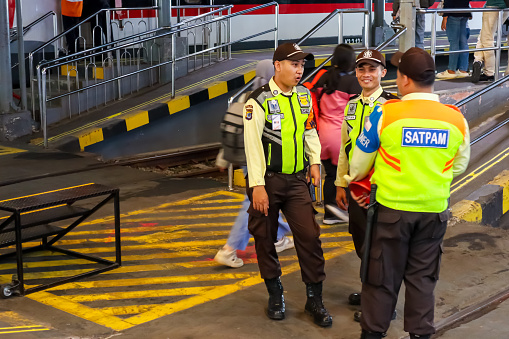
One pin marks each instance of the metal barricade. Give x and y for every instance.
(117, 47)
(498, 48)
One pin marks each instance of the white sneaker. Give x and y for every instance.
(228, 258)
(446, 75)
(460, 74)
(341, 216)
(284, 244)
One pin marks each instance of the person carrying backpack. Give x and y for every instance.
(233, 152)
(332, 91)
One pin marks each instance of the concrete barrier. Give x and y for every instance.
(487, 204)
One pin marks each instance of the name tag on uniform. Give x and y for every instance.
(425, 137)
(350, 117)
(271, 116)
(276, 122)
(274, 106)
(303, 100)
(305, 110)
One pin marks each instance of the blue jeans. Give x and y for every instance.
(420, 24)
(456, 30)
(239, 234)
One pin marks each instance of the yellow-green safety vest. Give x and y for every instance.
(355, 116)
(418, 142)
(285, 123)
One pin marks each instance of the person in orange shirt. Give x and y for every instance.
(71, 14)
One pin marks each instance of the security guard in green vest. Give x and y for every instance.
(280, 142)
(370, 69)
(417, 146)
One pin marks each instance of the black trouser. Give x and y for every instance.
(288, 193)
(72, 35)
(329, 189)
(405, 246)
(357, 219)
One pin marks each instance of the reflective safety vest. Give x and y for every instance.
(418, 142)
(285, 123)
(355, 116)
(72, 7)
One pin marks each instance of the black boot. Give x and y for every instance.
(354, 299)
(422, 336)
(372, 335)
(314, 305)
(276, 309)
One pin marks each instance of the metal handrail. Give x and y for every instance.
(35, 22)
(43, 67)
(49, 42)
(498, 49)
(482, 91)
(87, 53)
(75, 56)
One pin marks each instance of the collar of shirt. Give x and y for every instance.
(373, 97)
(421, 96)
(274, 88)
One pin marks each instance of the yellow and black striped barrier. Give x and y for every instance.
(487, 204)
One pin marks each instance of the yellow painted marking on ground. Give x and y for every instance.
(196, 200)
(90, 138)
(23, 331)
(152, 280)
(503, 180)
(249, 76)
(18, 327)
(33, 195)
(163, 238)
(480, 170)
(178, 104)
(81, 311)
(136, 120)
(467, 210)
(217, 89)
(124, 310)
(145, 104)
(159, 227)
(173, 292)
(4, 150)
(220, 291)
(125, 259)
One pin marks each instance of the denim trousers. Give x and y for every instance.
(239, 234)
(420, 23)
(456, 30)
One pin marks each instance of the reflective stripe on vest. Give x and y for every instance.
(284, 147)
(355, 117)
(418, 142)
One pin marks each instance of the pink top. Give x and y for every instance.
(332, 108)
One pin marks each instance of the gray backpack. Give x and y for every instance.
(232, 132)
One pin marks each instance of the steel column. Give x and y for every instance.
(21, 57)
(5, 60)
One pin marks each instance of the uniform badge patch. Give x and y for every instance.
(351, 109)
(303, 100)
(305, 110)
(274, 106)
(249, 112)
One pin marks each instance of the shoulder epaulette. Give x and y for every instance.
(388, 96)
(259, 94)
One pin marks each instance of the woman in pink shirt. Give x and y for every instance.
(332, 92)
